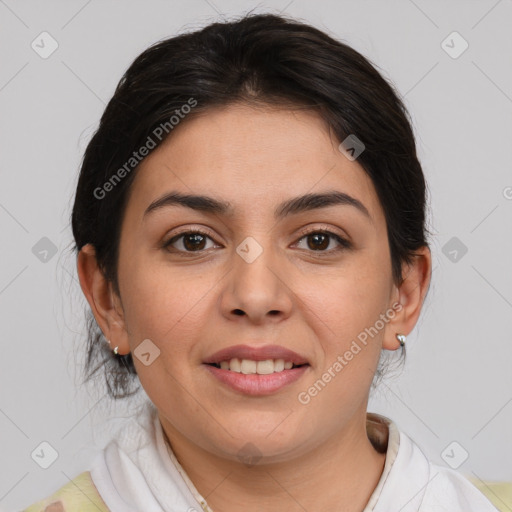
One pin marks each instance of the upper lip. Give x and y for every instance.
(256, 354)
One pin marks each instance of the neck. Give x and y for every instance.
(340, 474)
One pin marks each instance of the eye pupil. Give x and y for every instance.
(319, 237)
(196, 240)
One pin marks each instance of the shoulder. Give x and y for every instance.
(499, 493)
(449, 490)
(78, 495)
(416, 484)
(443, 489)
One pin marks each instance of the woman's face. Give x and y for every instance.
(261, 274)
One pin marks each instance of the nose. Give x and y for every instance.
(258, 286)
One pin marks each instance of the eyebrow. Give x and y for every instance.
(293, 206)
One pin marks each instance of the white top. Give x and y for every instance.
(138, 472)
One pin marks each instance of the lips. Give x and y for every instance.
(257, 385)
(256, 354)
(256, 371)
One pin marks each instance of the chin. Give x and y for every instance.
(261, 445)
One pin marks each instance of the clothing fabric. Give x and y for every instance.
(138, 472)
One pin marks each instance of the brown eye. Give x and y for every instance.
(194, 241)
(320, 240)
(190, 241)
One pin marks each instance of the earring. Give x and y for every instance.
(116, 350)
(402, 339)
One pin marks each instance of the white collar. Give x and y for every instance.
(137, 471)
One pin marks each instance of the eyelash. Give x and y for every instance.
(344, 244)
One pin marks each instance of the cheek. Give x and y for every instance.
(164, 303)
(351, 299)
(351, 344)
(347, 312)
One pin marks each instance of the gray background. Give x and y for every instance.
(457, 383)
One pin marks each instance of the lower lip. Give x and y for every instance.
(254, 384)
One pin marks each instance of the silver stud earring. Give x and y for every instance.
(116, 350)
(402, 339)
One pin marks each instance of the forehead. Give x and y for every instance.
(251, 157)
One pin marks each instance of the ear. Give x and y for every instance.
(105, 304)
(408, 297)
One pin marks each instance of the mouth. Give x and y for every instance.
(256, 371)
(250, 367)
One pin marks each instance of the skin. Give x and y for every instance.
(315, 456)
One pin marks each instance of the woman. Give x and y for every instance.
(250, 228)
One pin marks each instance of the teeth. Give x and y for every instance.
(279, 365)
(247, 366)
(265, 367)
(234, 365)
